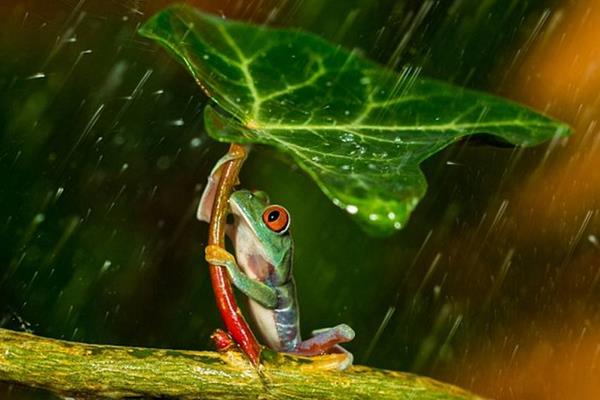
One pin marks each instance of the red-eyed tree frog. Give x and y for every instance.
(262, 270)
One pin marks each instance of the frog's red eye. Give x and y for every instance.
(277, 219)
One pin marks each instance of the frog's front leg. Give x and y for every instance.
(263, 294)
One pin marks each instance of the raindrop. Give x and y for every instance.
(177, 122)
(39, 75)
(352, 209)
(380, 155)
(105, 266)
(347, 138)
(195, 142)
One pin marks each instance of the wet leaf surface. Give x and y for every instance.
(359, 130)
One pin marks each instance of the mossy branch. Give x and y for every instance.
(84, 370)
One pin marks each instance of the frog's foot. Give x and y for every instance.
(327, 341)
(347, 362)
(217, 255)
(222, 340)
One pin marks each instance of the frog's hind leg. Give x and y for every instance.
(327, 341)
(324, 340)
(210, 191)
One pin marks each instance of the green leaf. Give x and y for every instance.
(359, 130)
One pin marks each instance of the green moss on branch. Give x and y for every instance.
(83, 370)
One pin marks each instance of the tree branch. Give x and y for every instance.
(83, 370)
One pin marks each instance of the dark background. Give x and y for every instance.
(493, 285)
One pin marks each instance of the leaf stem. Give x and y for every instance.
(230, 312)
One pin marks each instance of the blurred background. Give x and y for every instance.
(493, 285)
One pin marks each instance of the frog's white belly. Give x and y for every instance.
(278, 327)
(266, 325)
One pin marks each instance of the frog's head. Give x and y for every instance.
(269, 226)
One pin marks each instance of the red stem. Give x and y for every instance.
(230, 312)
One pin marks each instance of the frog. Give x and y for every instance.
(262, 270)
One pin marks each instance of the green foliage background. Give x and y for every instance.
(103, 158)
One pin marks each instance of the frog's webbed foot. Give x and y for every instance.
(217, 255)
(347, 362)
(324, 340)
(327, 341)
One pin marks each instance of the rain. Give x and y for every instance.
(493, 285)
